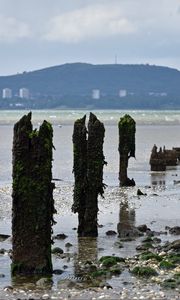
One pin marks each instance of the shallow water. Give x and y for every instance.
(155, 211)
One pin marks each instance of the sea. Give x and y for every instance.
(160, 208)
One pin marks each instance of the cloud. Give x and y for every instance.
(88, 22)
(11, 29)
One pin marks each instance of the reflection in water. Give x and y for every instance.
(31, 282)
(158, 181)
(87, 252)
(126, 226)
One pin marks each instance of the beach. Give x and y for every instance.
(158, 209)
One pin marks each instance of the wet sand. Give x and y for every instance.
(120, 207)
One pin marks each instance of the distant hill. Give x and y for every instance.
(115, 86)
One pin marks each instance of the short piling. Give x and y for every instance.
(127, 129)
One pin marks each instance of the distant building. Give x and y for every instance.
(122, 93)
(7, 93)
(96, 94)
(24, 93)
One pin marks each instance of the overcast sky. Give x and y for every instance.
(36, 34)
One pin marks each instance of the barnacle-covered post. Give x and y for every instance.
(127, 129)
(95, 164)
(80, 171)
(33, 205)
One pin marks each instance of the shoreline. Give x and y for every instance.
(110, 209)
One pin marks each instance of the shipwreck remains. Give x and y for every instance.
(127, 130)
(33, 205)
(159, 160)
(88, 173)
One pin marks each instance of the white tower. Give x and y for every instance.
(24, 93)
(7, 93)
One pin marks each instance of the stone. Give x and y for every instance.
(57, 250)
(60, 236)
(58, 272)
(4, 237)
(44, 282)
(142, 228)
(175, 230)
(68, 245)
(111, 232)
(140, 193)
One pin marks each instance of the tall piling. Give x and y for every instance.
(80, 171)
(127, 129)
(33, 204)
(88, 172)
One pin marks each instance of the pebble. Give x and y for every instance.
(45, 297)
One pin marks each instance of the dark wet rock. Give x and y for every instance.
(111, 232)
(115, 270)
(60, 236)
(149, 232)
(2, 275)
(169, 283)
(2, 251)
(175, 245)
(68, 245)
(142, 228)
(44, 282)
(156, 240)
(65, 267)
(147, 240)
(57, 250)
(100, 226)
(105, 285)
(4, 237)
(175, 230)
(140, 193)
(144, 246)
(101, 249)
(58, 271)
(118, 244)
(8, 288)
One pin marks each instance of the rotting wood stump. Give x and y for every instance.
(33, 204)
(127, 130)
(88, 173)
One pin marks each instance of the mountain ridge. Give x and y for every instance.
(63, 85)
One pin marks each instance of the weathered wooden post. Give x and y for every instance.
(80, 171)
(127, 129)
(33, 205)
(95, 164)
(88, 172)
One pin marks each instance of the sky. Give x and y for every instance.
(36, 34)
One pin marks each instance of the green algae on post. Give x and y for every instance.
(127, 130)
(88, 173)
(33, 204)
